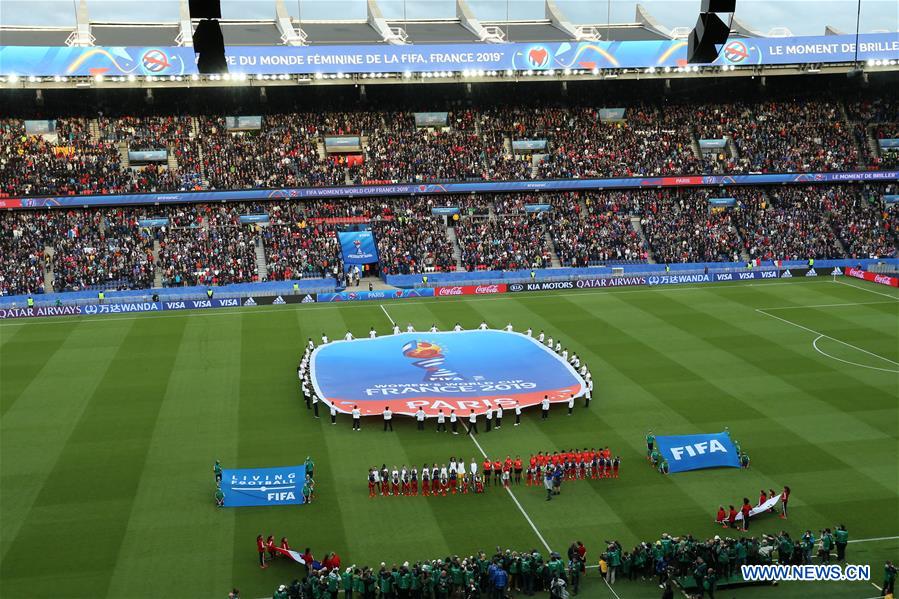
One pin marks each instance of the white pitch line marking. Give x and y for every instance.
(388, 315)
(893, 297)
(826, 305)
(805, 328)
(824, 353)
(511, 494)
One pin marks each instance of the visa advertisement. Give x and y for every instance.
(461, 371)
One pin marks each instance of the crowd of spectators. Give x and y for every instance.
(680, 227)
(401, 151)
(72, 164)
(204, 244)
(407, 245)
(504, 244)
(301, 250)
(792, 226)
(595, 229)
(146, 132)
(780, 135)
(208, 255)
(22, 254)
(866, 228)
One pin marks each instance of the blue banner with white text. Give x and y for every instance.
(357, 296)
(417, 58)
(243, 195)
(696, 452)
(263, 486)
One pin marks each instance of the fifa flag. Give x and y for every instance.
(695, 452)
(358, 247)
(263, 486)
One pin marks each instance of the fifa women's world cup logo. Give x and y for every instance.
(429, 357)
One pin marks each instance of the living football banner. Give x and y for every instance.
(358, 247)
(461, 371)
(263, 486)
(695, 452)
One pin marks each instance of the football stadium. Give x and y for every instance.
(449, 299)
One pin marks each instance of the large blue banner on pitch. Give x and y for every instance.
(263, 486)
(695, 452)
(358, 247)
(461, 371)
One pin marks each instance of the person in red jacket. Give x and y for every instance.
(307, 558)
(488, 466)
(763, 497)
(517, 465)
(270, 546)
(721, 518)
(260, 547)
(784, 498)
(745, 509)
(732, 517)
(284, 544)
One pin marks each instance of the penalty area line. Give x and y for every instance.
(820, 334)
(511, 494)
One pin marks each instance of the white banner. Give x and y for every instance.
(761, 508)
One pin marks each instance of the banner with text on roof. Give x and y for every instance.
(696, 452)
(173, 61)
(263, 486)
(464, 371)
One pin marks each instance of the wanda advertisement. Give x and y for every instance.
(470, 290)
(872, 277)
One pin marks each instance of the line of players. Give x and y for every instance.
(574, 465)
(448, 479)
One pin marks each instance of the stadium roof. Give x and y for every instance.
(284, 28)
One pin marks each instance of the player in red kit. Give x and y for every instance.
(270, 546)
(372, 482)
(260, 547)
(763, 497)
(425, 481)
(497, 471)
(517, 465)
(488, 466)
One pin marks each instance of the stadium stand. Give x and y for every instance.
(205, 244)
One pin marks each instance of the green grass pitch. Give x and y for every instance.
(110, 426)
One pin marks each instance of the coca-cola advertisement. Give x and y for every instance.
(872, 277)
(470, 290)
